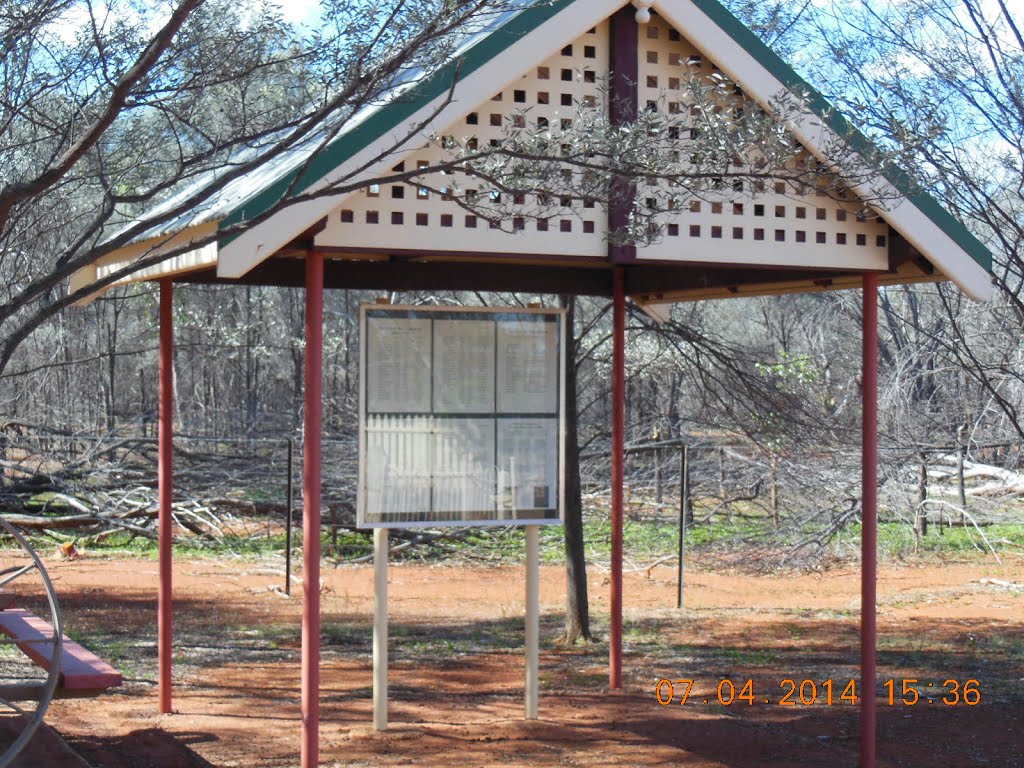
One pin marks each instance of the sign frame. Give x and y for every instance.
(410, 405)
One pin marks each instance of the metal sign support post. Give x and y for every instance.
(532, 620)
(380, 629)
(684, 508)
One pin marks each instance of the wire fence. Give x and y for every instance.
(794, 506)
(791, 506)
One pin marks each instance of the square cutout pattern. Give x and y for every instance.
(769, 215)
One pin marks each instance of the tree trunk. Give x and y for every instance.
(577, 607)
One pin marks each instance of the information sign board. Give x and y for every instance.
(461, 416)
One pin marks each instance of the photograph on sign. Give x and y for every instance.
(397, 478)
(461, 417)
(463, 466)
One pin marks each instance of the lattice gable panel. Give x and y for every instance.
(773, 223)
(403, 217)
(766, 223)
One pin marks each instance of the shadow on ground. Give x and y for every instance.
(456, 686)
(147, 748)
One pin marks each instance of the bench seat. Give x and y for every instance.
(80, 669)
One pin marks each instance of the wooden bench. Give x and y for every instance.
(82, 673)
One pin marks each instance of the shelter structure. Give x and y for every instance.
(358, 215)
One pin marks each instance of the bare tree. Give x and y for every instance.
(107, 110)
(943, 81)
(577, 608)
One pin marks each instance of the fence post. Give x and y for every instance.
(684, 512)
(333, 509)
(921, 526)
(288, 520)
(658, 495)
(721, 473)
(961, 486)
(774, 490)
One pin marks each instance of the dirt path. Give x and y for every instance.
(456, 679)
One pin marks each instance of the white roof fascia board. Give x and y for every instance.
(263, 240)
(744, 69)
(659, 313)
(188, 261)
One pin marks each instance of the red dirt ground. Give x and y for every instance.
(456, 676)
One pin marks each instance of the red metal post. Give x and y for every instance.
(311, 511)
(869, 531)
(618, 452)
(165, 489)
(623, 110)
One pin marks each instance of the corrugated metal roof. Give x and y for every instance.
(234, 196)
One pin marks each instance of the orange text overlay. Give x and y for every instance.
(791, 692)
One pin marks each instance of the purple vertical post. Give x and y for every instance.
(623, 110)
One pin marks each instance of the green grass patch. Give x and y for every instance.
(246, 546)
(645, 633)
(897, 539)
(645, 540)
(750, 657)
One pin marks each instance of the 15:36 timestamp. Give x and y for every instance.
(908, 692)
(912, 691)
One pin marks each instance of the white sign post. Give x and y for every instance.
(380, 629)
(532, 620)
(461, 422)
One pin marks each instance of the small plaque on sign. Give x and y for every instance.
(540, 496)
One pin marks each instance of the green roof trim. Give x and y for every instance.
(783, 72)
(392, 115)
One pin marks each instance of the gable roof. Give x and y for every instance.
(482, 64)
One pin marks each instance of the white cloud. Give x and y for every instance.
(302, 12)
